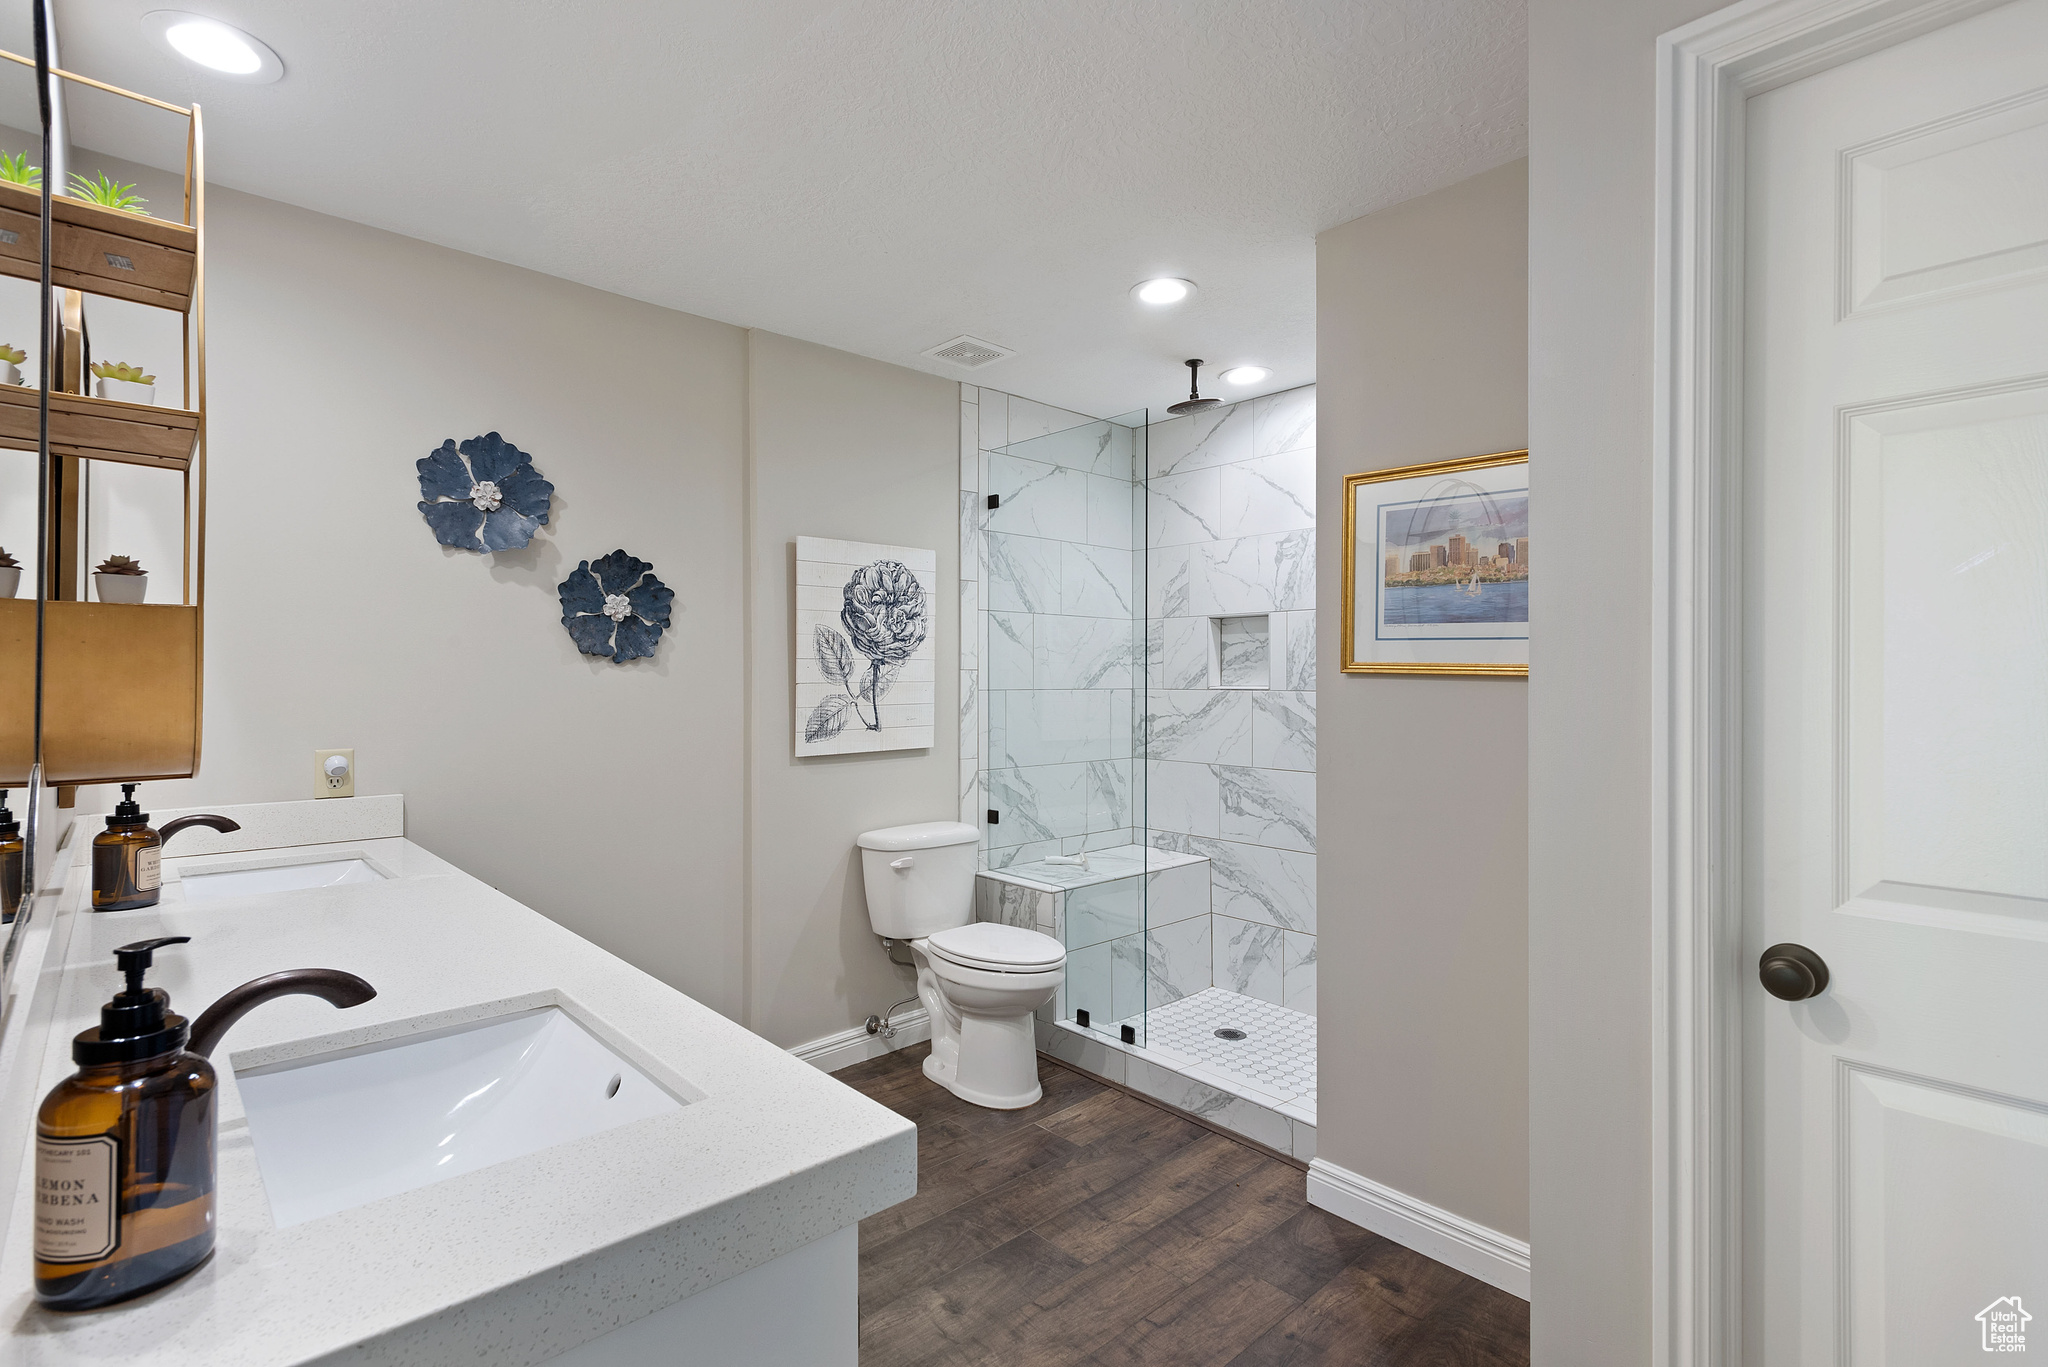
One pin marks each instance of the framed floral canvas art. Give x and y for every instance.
(865, 654)
(1436, 568)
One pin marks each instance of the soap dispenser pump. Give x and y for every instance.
(127, 857)
(125, 1146)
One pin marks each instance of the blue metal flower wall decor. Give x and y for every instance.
(615, 606)
(495, 502)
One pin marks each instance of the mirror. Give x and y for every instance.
(101, 509)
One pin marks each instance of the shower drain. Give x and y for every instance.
(1230, 1032)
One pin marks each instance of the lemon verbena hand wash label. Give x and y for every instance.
(77, 1184)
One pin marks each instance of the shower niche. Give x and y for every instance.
(1240, 652)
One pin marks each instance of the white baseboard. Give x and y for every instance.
(849, 1047)
(1475, 1250)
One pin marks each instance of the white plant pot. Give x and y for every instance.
(120, 588)
(127, 390)
(10, 581)
(10, 373)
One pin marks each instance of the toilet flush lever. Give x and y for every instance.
(905, 862)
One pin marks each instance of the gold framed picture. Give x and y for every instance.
(1436, 568)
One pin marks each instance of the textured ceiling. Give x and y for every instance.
(875, 175)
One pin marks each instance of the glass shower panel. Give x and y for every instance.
(1143, 695)
(1062, 694)
(1138, 423)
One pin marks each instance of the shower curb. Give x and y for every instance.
(1267, 1149)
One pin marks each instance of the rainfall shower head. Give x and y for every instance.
(1194, 403)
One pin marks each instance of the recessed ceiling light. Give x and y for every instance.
(214, 46)
(222, 49)
(1245, 374)
(1165, 290)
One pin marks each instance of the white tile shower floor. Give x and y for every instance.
(1274, 1062)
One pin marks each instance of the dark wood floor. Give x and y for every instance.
(1094, 1228)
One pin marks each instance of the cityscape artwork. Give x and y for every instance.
(1455, 564)
(865, 653)
(1437, 568)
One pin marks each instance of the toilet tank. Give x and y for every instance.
(920, 879)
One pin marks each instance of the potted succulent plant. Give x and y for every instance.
(119, 380)
(120, 580)
(11, 357)
(110, 194)
(10, 574)
(15, 170)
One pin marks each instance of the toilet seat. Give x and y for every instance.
(993, 947)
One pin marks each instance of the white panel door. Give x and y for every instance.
(1895, 701)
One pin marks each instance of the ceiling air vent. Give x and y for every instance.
(969, 353)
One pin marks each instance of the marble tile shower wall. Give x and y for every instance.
(1051, 627)
(1230, 764)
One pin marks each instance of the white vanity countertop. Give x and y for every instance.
(511, 1264)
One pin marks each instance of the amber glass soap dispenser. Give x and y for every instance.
(124, 1152)
(11, 847)
(127, 857)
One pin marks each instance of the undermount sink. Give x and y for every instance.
(209, 887)
(341, 1130)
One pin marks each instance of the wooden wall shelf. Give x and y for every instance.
(120, 682)
(101, 429)
(93, 243)
(120, 691)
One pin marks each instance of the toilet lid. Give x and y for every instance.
(990, 944)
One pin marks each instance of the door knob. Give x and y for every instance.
(1792, 972)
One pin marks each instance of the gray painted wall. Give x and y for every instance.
(857, 449)
(613, 799)
(601, 795)
(1592, 237)
(1421, 335)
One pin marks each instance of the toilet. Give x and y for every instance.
(979, 981)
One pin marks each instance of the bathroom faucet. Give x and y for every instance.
(207, 819)
(329, 984)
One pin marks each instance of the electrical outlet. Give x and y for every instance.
(334, 773)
